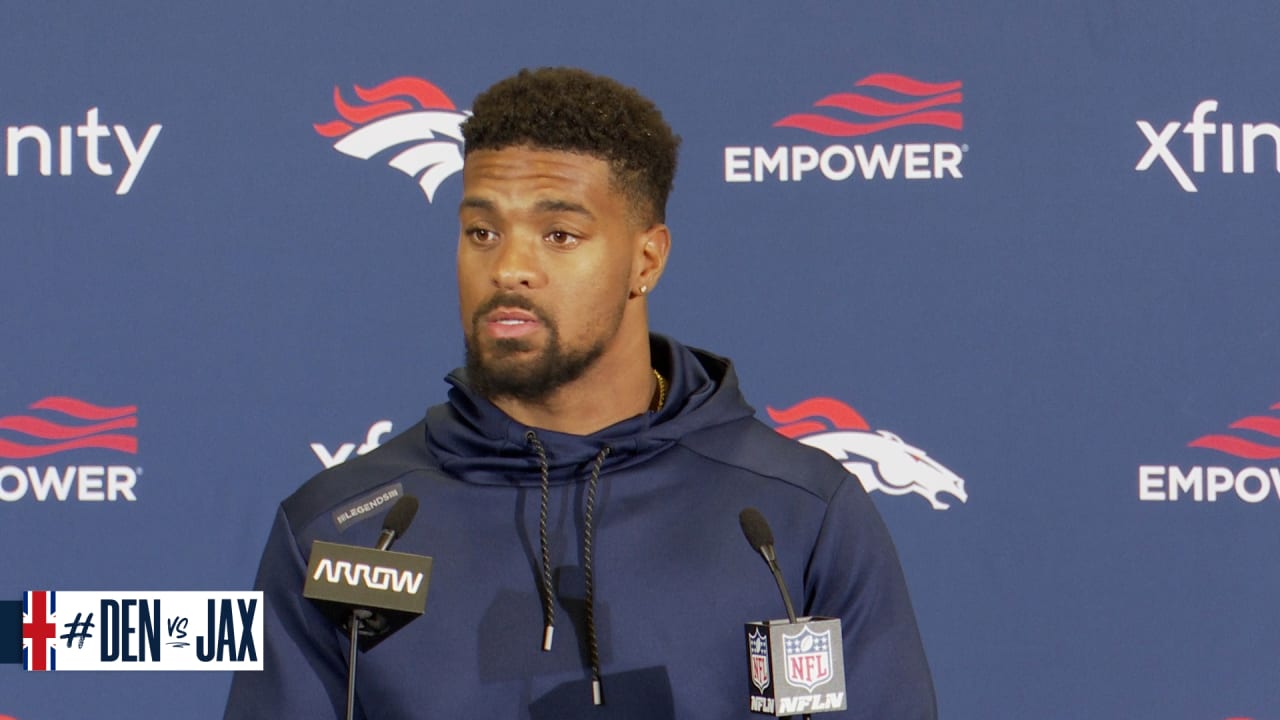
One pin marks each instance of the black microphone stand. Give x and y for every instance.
(392, 528)
(355, 623)
(363, 622)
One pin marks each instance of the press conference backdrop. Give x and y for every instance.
(1016, 262)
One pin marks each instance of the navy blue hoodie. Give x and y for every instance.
(674, 579)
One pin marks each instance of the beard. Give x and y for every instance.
(503, 372)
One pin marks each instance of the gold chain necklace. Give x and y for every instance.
(662, 391)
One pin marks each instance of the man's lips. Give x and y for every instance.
(511, 323)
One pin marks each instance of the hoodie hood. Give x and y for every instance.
(474, 440)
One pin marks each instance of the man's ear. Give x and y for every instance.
(652, 248)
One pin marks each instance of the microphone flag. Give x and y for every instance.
(387, 589)
(796, 667)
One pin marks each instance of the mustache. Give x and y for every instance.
(510, 300)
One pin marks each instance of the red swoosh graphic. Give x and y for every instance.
(801, 428)
(840, 415)
(123, 443)
(429, 96)
(83, 410)
(362, 115)
(1265, 425)
(46, 430)
(864, 105)
(332, 129)
(838, 128)
(1237, 447)
(907, 86)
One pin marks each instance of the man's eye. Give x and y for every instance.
(560, 238)
(480, 235)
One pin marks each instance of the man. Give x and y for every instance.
(581, 488)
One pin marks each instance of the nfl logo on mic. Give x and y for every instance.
(796, 667)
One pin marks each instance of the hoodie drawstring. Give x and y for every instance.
(548, 598)
(548, 594)
(597, 687)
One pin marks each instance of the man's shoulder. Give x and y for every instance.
(750, 445)
(370, 477)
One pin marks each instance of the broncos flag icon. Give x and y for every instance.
(404, 112)
(880, 460)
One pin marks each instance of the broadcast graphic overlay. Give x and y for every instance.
(85, 630)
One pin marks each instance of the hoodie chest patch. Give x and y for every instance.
(367, 506)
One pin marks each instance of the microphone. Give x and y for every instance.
(384, 589)
(790, 659)
(756, 528)
(398, 521)
(371, 593)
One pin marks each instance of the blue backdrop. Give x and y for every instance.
(1034, 241)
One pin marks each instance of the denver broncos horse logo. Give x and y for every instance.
(405, 111)
(880, 459)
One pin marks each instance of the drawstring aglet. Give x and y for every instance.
(597, 692)
(548, 634)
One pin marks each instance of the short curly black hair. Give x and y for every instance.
(573, 110)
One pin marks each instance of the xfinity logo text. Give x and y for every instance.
(1161, 145)
(372, 440)
(37, 145)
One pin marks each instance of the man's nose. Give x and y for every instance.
(517, 265)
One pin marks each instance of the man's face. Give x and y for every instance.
(546, 257)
